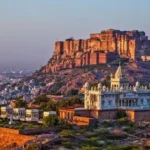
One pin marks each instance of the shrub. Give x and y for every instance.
(81, 131)
(50, 121)
(20, 103)
(64, 124)
(67, 133)
(41, 98)
(107, 124)
(67, 144)
(91, 142)
(121, 114)
(33, 147)
(125, 147)
(103, 132)
(123, 119)
(89, 148)
(130, 129)
(123, 122)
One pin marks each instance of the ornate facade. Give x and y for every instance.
(119, 96)
(103, 103)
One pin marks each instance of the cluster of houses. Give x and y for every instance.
(28, 90)
(22, 114)
(100, 103)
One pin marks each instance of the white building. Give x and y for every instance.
(49, 113)
(6, 112)
(119, 95)
(32, 115)
(19, 114)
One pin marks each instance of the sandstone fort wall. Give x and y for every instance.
(96, 49)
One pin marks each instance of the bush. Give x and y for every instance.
(21, 127)
(67, 133)
(81, 131)
(92, 142)
(67, 144)
(31, 126)
(20, 103)
(50, 121)
(89, 148)
(129, 129)
(103, 132)
(33, 147)
(107, 124)
(41, 98)
(121, 114)
(125, 147)
(64, 124)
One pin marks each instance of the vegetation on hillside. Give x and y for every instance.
(54, 106)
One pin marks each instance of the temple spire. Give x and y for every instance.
(118, 73)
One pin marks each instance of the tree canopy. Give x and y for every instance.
(54, 106)
(20, 103)
(50, 121)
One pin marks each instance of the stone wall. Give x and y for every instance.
(84, 121)
(8, 136)
(77, 53)
(124, 42)
(142, 115)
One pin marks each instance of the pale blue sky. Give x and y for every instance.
(29, 28)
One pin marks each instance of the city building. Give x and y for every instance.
(48, 113)
(32, 115)
(6, 112)
(19, 114)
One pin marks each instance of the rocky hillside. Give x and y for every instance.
(69, 80)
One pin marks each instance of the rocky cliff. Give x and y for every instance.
(66, 80)
(98, 49)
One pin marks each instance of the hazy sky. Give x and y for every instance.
(29, 28)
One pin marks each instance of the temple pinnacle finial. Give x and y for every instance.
(118, 73)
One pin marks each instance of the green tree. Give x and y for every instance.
(41, 98)
(20, 103)
(50, 121)
(121, 114)
(54, 106)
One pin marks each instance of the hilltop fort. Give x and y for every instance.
(99, 48)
